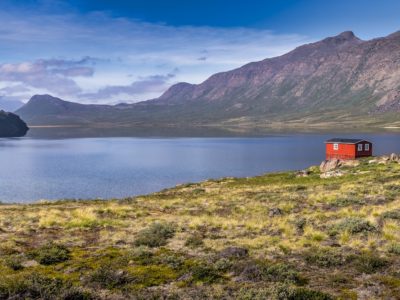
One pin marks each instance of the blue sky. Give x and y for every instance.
(113, 51)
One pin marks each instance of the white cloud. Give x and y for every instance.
(122, 47)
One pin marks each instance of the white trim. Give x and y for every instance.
(336, 146)
(366, 147)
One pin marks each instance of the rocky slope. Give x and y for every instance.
(11, 125)
(340, 77)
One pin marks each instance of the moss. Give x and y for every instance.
(146, 276)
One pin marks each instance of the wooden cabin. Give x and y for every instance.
(347, 148)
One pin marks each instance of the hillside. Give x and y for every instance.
(11, 125)
(278, 236)
(340, 80)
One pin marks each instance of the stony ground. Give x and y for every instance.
(279, 236)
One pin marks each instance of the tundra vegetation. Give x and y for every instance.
(278, 236)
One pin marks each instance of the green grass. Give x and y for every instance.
(276, 236)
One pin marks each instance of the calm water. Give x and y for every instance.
(33, 169)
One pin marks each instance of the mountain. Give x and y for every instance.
(8, 104)
(11, 125)
(338, 80)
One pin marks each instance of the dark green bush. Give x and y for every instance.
(50, 254)
(156, 235)
(204, 272)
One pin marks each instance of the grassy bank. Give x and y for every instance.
(278, 236)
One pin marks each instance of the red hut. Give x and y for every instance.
(347, 148)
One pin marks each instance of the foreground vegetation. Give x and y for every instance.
(278, 236)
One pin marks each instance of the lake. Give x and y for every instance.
(35, 168)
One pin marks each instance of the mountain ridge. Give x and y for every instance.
(336, 77)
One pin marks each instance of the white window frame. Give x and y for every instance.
(336, 146)
(360, 147)
(366, 147)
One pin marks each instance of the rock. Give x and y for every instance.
(330, 174)
(303, 173)
(384, 158)
(234, 252)
(29, 263)
(373, 161)
(394, 157)
(329, 165)
(275, 212)
(11, 125)
(350, 163)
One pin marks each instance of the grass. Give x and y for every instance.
(276, 236)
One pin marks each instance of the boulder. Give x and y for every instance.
(329, 165)
(329, 174)
(350, 163)
(394, 157)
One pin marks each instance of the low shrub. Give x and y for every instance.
(394, 249)
(223, 264)
(299, 224)
(261, 271)
(194, 241)
(14, 262)
(74, 293)
(369, 263)
(32, 286)
(391, 214)
(204, 272)
(347, 201)
(282, 292)
(156, 235)
(352, 225)
(50, 254)
(141, 255)
(324, 257)
(106, 276)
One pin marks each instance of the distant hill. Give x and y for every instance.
(338, 80)
(11, 125)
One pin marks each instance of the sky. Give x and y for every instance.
(109, 52)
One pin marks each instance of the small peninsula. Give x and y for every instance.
(11, 125)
